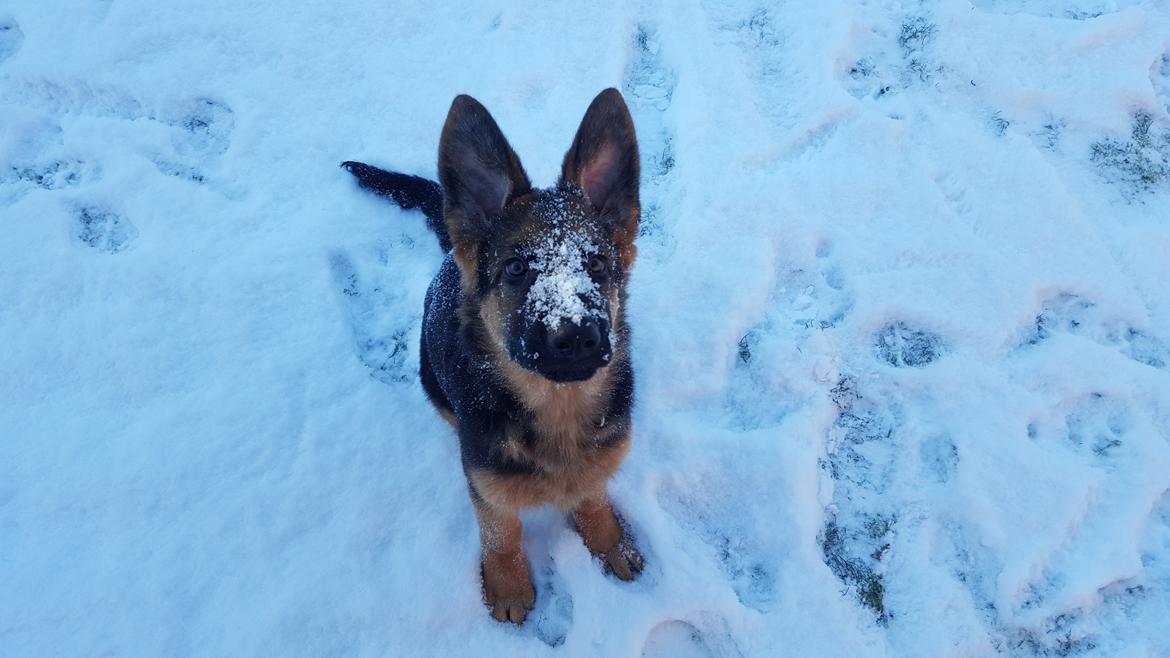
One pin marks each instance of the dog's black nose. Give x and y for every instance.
(576, 342)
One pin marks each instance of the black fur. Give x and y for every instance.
(409, 192)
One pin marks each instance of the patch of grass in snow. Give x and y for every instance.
(915, 37)
(917, 32)
(1057, 637)
(856, 572)
(1139, 165)
(859, 526)
(997, 124)
(900, 346)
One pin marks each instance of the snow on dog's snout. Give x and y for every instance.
(563, 289)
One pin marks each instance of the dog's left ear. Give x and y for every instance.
(603, 162)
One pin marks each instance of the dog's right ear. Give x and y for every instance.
(479, 170)
(603, 163)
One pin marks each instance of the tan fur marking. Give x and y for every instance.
(513, 446)
(507, 584)
(615, 310)
(563, 412)
(493, 323)
(466, 253)
(565, 488)
(628, 252)
(449, 417)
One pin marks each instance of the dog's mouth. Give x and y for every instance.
(569, 374)
(561, 371)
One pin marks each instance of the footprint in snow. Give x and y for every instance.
(808, 298)
(380, 337)
(11, 38)
(553, 616)
(1095, 426)
(37, 159)
(707, 637)
(1070, 11)
(804, 300)
(1160, 78)
(676, 639)
(206, 126)
(1067, 313)
(204, 129)
(1099, 425)
(46, 174)
(901, 346)
(954, 190)
(739, 554)
(939, 458)
(201, 128)
(103, 229)
(649, 85)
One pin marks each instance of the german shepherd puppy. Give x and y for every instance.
(524, 347)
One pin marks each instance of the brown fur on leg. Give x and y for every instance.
(507, 585)
(606, 538)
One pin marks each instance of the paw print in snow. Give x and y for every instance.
(103, 229)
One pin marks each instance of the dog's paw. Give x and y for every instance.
(508, 590)
(511, 606)
(623, 560)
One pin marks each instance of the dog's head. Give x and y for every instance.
(547, 268)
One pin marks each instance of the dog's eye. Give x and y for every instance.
(515, 267)
(597, 265)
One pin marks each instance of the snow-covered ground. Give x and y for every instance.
(901, 313)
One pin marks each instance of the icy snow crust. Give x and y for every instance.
(901, 326)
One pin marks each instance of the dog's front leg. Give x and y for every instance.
(606, 538)
(507, 585)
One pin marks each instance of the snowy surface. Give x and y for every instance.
(901, 315)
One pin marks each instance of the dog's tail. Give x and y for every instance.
(409, 192)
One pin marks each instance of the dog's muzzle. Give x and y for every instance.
(571, 353)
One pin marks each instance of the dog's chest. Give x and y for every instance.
(563, 429)
(570, 462)
(570, 439)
